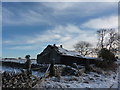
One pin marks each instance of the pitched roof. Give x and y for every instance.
(69, 53)
(66, 52)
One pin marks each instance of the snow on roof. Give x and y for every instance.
(72, 53)
(91, 57)
(69, 53)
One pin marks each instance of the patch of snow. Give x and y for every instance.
(9, 69)
(118, 61)
(119, 79)
(90, 57)
(69, 53)
(89, 80)
(73, 53)
(19, 61)
(17, 70)
(37, 73)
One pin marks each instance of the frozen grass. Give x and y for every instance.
(108, 79)
(89, 80)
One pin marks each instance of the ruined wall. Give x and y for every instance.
(71, 60)
(48, 55)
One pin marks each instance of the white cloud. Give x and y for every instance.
(45, 13)
(104, 22)
(30, 17)
(60, 5)
(60, 0)
(81, 9)
(66, 35)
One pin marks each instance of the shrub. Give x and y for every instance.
(106, 55)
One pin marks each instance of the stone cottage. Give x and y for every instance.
(61, 56)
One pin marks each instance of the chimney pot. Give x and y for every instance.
(61, 46)
(54, 45)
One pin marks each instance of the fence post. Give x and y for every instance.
(52, 72)
(28, 64)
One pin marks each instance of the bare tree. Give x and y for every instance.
(109, 39)
(101, 38)
(113, 41)
(83, 47)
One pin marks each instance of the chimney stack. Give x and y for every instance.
(61, 46)
(54, 45)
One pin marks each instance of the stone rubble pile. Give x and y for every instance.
(19, 80)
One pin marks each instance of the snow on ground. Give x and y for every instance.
(89, 80)
(17, 70)
(86, 80)
(37, 73)
(9, 69)
(119, 79)
(19, 61)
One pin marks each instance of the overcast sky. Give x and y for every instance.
(29, 27)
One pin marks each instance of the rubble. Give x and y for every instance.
(18, 80)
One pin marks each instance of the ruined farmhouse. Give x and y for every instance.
(61, 56)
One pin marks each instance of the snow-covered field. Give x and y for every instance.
(86, 80)
(19, 61)
(9, 69)
(108, 79)
(17, 70)
(89, 80)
